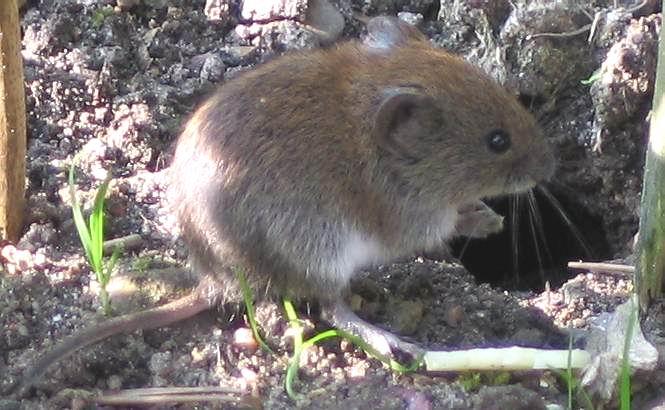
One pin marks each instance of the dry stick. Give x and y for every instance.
(602, 267)
(507, 358)
(650, 277)
(567, 34)
(147, 396)
(12, 123)
(126, 243)
(594, 27)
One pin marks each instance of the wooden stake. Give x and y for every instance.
(650, 273)
(12, 123)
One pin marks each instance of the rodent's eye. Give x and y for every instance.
(498, 141)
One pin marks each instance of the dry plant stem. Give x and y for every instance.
(573, 33)
(509, 358)
(651, 243)
(602, 267)
(126, 243)
(594, 27)
(171, 395)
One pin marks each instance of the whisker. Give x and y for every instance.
(268, 285)
(468, 239)
(534, 211)
(562, 213)
(466, 243)
(514, 232)
(532, 228)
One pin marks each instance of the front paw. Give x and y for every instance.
(477, 220)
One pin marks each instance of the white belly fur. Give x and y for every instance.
(359, 250)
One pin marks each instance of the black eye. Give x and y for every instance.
(498, 141)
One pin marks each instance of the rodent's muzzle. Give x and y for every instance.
(530, 171)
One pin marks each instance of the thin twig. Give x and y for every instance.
(567, 34)
(508, 358)
(602, 267)
(594, 27)
(128, 242)
(143, 397)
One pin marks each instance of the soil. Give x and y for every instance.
(108, 86)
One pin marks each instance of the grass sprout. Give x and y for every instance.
(91, 234)
(299, 345)
(248, 298)
(597, 75)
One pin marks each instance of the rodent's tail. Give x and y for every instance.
(172, 312)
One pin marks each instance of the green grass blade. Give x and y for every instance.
(299, 345)
(328, 334)
(97, 227)
(294, 362)
(248, 298)
(597, 75)
(291, 314)
(79, 220)
(95, 254)
(111, 265)
(294, 322)
(114, 257)
(291, 373)
(92, 235)
(392, 363)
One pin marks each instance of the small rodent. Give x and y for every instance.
(317, 164)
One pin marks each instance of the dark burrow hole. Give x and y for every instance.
(492, 260)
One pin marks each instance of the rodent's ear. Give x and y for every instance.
(402, 118)
(386, 32)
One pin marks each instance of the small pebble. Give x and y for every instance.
(357, 371)
(244, 338)
(249, 375)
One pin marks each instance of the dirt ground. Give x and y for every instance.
(112, 82)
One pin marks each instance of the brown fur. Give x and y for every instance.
(275, 159)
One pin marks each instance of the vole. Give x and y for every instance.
(317, 164)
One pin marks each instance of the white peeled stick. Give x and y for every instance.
(509, 358)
